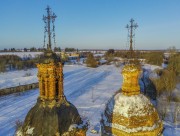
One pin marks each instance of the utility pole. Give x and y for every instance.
(131, 34)
(50, 17)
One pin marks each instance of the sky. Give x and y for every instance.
(91, 24)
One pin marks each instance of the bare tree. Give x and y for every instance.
(162, 108)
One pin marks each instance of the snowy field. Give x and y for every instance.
(15, 78)
(89, 89)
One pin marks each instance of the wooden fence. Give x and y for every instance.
(20, 88)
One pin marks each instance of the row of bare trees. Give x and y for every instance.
(168, 102)
(14, 62)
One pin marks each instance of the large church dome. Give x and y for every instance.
(130, 113)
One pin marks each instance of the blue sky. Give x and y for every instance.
(94, 24)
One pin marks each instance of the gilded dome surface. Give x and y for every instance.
(130, 113)
(52, 115)
(130, 84)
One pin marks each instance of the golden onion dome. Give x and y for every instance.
(130, 113)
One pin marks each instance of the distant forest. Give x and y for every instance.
(32, 49)
(152, 57)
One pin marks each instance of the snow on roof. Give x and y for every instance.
(102, 61)
(129, 130)
(127, 106)
(98, 55)
(151, 67)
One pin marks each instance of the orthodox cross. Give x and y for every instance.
(131, 34)
(49, 20)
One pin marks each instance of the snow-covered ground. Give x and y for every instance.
(15, 78)
(89, 89)
(22, 77)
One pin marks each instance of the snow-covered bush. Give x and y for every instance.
(169, 110)
(91, 61)
(27, 74)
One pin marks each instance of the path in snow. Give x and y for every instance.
(92, 103)
(87, 88)
(14, 78)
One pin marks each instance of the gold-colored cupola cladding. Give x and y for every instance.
(51, 81)
(52, 115)
(130, 113)
(130, 84)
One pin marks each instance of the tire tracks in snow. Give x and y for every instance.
(83, 83)
(78, 81)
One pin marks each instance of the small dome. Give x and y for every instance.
(131, 115)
